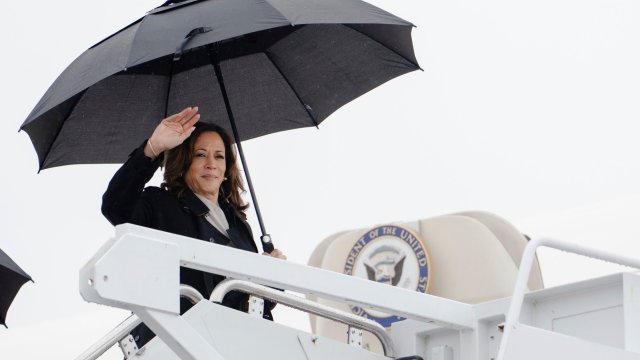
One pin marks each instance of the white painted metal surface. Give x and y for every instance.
(264, 270)
(128, 346)
(111, 338)
(143, 272)
(597, 311)
(513, 315)
(593, 319)
(121, 331)
(354, 322)
(531, 343)
(631, 313)
(256, 306)
(238, 336)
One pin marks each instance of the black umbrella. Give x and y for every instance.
(12, 277)
(252, 66)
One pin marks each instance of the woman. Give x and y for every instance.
(199, 198)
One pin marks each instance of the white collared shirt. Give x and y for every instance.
(215, 216)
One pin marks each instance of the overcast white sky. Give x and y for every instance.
(528, 110)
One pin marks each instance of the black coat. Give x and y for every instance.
(128, 201)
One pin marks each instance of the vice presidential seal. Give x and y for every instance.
(392, 255)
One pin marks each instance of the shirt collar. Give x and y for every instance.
(208, 203)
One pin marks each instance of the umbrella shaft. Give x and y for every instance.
(236, 136)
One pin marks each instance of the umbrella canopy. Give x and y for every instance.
(12, 277)
(254, 67)
(285, 63)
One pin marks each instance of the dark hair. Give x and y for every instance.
(178, 160)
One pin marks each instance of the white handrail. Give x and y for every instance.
(231, 263)
(305, 305)
(105, 280)
(124, 328)
(528, 257)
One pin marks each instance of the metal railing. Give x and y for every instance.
(305, 305)
(517, 299)
(124, 328)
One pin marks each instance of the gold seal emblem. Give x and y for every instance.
(393, 255)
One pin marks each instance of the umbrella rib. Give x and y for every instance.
(116, 33)
(385, 46)
(304, 106)
(266, 52)
(166, 102)
(62, 123)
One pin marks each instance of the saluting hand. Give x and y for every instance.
(172, 131)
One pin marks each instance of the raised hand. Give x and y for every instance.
(172, 131)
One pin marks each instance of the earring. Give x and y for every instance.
(225, 178)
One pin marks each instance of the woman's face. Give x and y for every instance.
(208, 166)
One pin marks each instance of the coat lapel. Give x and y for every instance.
(239, 231)
(191, 203)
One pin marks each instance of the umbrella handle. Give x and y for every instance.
(267, 245)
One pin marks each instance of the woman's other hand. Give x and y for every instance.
(276, 253)
(171, 132)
